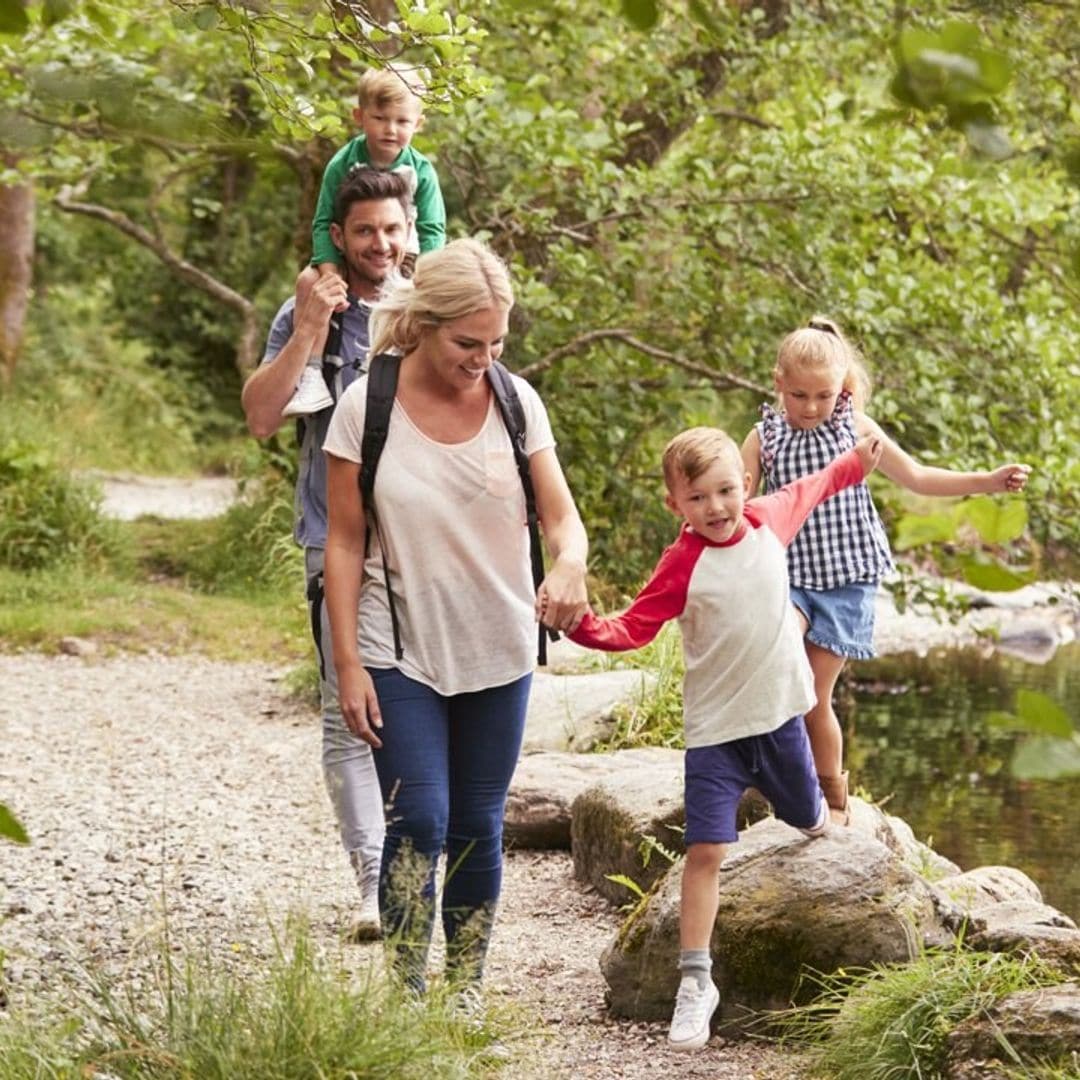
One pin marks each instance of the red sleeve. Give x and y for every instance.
(784, 511)
(662, 598)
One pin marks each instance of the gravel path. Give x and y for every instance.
(149, 782)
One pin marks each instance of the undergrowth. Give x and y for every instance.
(300, 1015)
(893, 1022)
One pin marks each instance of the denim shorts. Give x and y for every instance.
(779, 764)
(840, 620)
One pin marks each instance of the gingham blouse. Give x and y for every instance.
(843, 540)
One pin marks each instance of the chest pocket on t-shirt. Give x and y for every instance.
(500, 473)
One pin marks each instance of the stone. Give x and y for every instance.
(76, 646)
(987, 885)
(1041, 1026)
(547, 783)
(574, 712)
(1024, 926)
(786, 903)
(609, 824)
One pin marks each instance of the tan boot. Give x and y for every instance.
(834, 788)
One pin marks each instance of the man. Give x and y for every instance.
(369, 228)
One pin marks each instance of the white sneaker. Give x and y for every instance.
(311, 395)
(367, 926)
(694, 1007)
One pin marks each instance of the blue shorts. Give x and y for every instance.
(779, 764)
(841, 620)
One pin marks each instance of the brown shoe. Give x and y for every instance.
(835, 790)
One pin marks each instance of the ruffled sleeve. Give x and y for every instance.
(842, 420)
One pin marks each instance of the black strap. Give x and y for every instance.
(315, 595)
(513, 415)
(332, 362)
(381, 388)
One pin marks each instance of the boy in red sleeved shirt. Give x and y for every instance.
(747, 682)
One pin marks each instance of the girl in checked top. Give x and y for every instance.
(841, 553)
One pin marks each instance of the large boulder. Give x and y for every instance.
(574, 712)
(1040, 1026)
(611, 823)
(547, 783)
(786, 904)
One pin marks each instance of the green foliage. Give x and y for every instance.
(11, 828)
(889, 1023)
(1053, 751)
(656, 719)
(46, 517)
(297, 1014)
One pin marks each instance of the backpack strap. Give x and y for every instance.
(332, 362)
(513, 415)
(381, 388)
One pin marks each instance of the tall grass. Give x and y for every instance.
(655, 719)
(302, 1017)
(892, 1023)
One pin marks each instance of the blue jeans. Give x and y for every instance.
(444, 769)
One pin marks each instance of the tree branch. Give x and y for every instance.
(246, 350)
(721, 380)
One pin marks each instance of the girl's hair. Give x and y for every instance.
(821, 344)
(694, 451)
(449, 283)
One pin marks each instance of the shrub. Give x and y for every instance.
(46, 516)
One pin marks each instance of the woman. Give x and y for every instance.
(445, 716)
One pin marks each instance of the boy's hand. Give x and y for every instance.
(868, 449)
(1010, 477)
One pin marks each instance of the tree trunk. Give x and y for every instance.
(16, 268)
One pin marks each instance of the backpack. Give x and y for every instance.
(382, 385)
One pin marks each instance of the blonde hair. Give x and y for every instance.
(821, 344)
(390, 85)
(448, 283)
(694, 451)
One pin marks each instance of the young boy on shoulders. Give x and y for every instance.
(389, 112)
(747, 682)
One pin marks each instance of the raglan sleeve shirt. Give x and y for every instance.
(746, 668)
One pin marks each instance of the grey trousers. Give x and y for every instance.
(348, 767)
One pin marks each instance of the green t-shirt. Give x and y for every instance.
(427, 198)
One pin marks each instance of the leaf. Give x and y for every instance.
(206, 18)
(990, 140)
(11, 828)
(643, 14)
(997, 521)
(13, 18)
(993, 577)
(914, 530)
(1046, 758)
(628, 882)
(1042, 714)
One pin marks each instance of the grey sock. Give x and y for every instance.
(698, 963)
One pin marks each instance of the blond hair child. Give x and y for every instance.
(747, 681)
(389, 112)
(841, 553)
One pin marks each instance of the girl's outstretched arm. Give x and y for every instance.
(901, 468)
(751, 455)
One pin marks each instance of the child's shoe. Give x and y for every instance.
(311, 395)
(694, 1007)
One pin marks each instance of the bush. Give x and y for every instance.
(47, 517)
(892, 1023)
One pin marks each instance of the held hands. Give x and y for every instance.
(359, 705)
(1010, 478)
(868, 449)
(332, 270)
(562, 599)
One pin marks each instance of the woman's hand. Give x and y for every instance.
(1010, 478)
(359, 704)
(563, 599)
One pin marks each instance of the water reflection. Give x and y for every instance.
(917, 732)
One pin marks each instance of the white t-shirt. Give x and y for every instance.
(452, 516)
